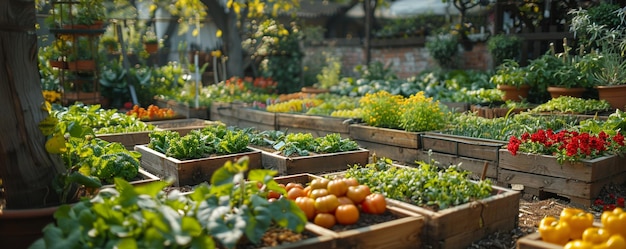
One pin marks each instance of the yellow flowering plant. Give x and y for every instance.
(381, 109)
(419, 113)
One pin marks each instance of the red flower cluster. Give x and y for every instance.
(609, 205)
(567, 145)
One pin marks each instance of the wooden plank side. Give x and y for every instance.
(464, 240)
(475, 166)
(151, 160)
(128, 139)
(311, 122)
(193, 172)
(225, 113)
(533, 241)
(484, 149)
(256, 116)
(392, 137)
(401, 154)
(315, 163)
(586, 171)
(315, 133)
(255, 125)
(404, 232)
(551, 184)
(183, 126)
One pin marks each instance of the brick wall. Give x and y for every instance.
(406, 60)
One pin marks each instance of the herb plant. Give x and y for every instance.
(220, 215)
(568, 104)
(425, 185)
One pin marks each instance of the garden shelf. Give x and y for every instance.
(313, 163)
(403, 232)
(395, 144)
(190, 172)
(581, 182)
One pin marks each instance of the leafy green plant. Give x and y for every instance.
(220, 215)
(444, 50)
(103, 121)
(217, 139)
(114, 84)
(333, 142)
(504, 47)
(425, 185)
(568, 104)
(329, 76)
(510, 73)
(110, 43)
(301, 144)
(376, 70)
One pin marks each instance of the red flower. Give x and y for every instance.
(620, 202)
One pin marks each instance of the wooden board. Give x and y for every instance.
(183, 126)
(405, 155)
(128, 139)
(579, 192)
(484, 149)
(181, 109)
(403, 232)
(585, 171)
(494, 112)
(533, 241)
(314, 163)
(311, 124)
(190, 172)
(225, 113)
(399, 138)
(252, 118)
(476, 166)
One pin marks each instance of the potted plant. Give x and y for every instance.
(605, 34)
(89, 14)
(82, 56)
(150, 42)
(510, 78)
(110, 43)
(503, 47)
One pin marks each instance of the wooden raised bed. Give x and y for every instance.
(404, 232)
(225, 112)
(318, 126)
(480, 156)
(183, 126)
(313, 163)
(253, 118)
(581, 182)
(128, 139)
(391, 143)
(494, 112)
(533, 241)
(184, 110)
(190, 172)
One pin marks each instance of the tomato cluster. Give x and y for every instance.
(327, 202)
(574, 229)
(152, 112)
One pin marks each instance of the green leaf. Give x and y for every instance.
(127, 243)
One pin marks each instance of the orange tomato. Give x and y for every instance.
(358, 193)
(307, 205)
(291, 185)
(294, 193)
(324, 220)
(347, 214)
(337, 187)
(344, 200)
(318, 183)
(351, 181)
(316, 193)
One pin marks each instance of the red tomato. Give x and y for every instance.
(307, 205)
(374, 204)
(326, 204)
(273, 194)
(337, 187)
(324, 220)
(358, 193)
(347, 214)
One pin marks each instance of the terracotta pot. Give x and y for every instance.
(514, 93)
(82, 65)
(19, 228)
(615, 95)
(151, 47)
(58, 64)
(556, 92)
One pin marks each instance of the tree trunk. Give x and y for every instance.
(26, 169)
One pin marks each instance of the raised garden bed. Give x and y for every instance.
(403, 232)
(395, 144)
(190, 172)
(495, 112)
(225, 112)
(581, 182)
(253, 118)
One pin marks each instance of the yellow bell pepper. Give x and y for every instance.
(578, 244)
(554, 231)
(614, 221)
(614, 242)
(578, 220)
(596, 235)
